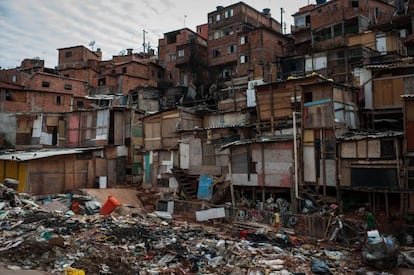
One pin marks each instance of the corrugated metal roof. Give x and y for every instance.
(267, 139)
(100, 97)
(359, 135)
(31, 155)
(214, 127)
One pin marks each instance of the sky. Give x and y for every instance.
(37, 28)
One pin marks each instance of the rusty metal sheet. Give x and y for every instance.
(309, 168)
(410, 136)
(348, 150)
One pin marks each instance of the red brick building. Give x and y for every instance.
(183, 54)
(116, 76)
(27, 67)
(330, 23)
(12, 98)
(202, 30)
(53, 93)
(78, 62)
(243, 42)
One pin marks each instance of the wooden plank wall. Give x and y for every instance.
(409, 127)
(387, 92)
(273, 102)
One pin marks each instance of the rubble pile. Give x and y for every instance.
(35, 237)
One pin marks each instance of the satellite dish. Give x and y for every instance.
(122, 52)
(91, 44)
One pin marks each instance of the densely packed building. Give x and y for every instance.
(322, 113)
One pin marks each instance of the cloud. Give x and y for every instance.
(37, 28)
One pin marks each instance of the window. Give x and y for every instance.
(102, 81)
(323, 34)
(377, 12)
(58, 100)
(243, 40)
(68, 86)
(387, 149)
(14, 78)
(354, 3)
(218, 34)
(299, 21)
(8, 95)
(308, 97)
(124, 70)
(228, 13)
(79, 104)
(68, 54)
(216, 52)
(226, 74)
(180, 53)
(231, 49)
(329, 149)
(172, 57)
(210, 20)
(45, 84)
(113, 71)
(243, 59)
(337, 29)
(229, 31)
(218, 17)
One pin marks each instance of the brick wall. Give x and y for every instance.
(57, 84)
(78, 55)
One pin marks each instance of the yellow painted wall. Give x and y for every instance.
(22, 176)
(2, 170)
(14, 170)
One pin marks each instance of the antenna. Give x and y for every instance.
(185, 17)
(143, 44)
(91, 44)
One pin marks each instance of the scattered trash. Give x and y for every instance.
(406, 259)
(213, 213)
(72, 235)
(381, 254)
(110, 205)
(320, 267)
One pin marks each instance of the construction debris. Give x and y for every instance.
(56, 239)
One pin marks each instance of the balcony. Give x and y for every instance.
(104, 90)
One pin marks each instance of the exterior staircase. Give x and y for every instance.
(409, 176)
(187, 183)
(318, 199)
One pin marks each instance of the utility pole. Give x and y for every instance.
(143, 44)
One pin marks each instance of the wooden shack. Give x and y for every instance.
(328, 109)
(52, 171)
(408, 149)
(161, 142)
(371, 169)
(262, 166)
